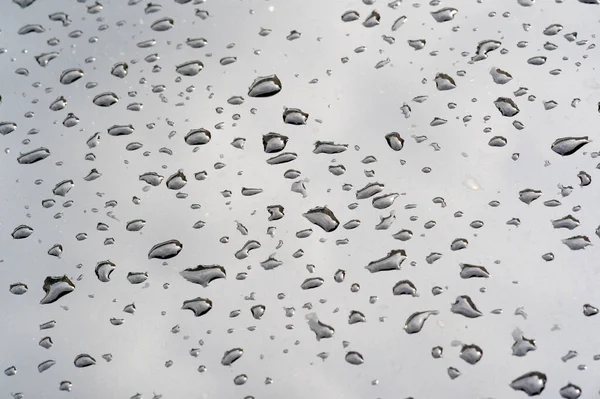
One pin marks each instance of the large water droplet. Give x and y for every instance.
(163, 24)
(189, 68)
(199, 306)
(464, 306)
(204, 275)
(55, 288)
(165, 250)
(444, 14)
(416, 321)
(71, 75)
(532, 383)
(568, 145)
(322, 217)
(231, 356)
(265, 86)
(84, 360)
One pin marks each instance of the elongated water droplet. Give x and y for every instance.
(444, 14)
(568, 145)
(250, 245)
(163, 24)
(265, 86)
(199, 136)
(189, 68)
(165, 250)
(84, 360)
(231, 356)
(105, 99)
(120, 130)
(350, 16)
(576, 243)
(313, 282)
(391, 261)
(69, 76)
(204, 275)
(43, 366)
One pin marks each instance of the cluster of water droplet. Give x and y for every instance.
(262, 157)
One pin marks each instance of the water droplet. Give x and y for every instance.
(152, 178)
(391, 261)
(444, 82)
(189, 68)
(199, 136)
(405, 287)
(176, 181)
(471, 271)
(137, 277)
(204, 275)
(285, 157)
(356, 317)
(165, 250)
(464, 306)
(532, 383)
(63, 188)
(196, 42)
(69, 76)
(313, 282)
(499, 76)
(120, 130)
(322, 217)
(240, 379)
(199, 306)
(589, 310)
(372, 20)
(258, 311)
(43, 366)
(444, 14)
(84, 360)
(350, 16)
(415, 322)
(570, 391)
(453, 373)
(471, 354)
(384, 201)
(105, 99)
(506, 106)
(22, 231)
(135, 225)
(163, 24)
(231, 356)
(539, 60)
(566, 222)
(55, 288)
(458, 244)
(576, 243)
(553, 29)
(18, 288)
(568, 145)
(395, 142)
(294, 116)
(45, 58)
